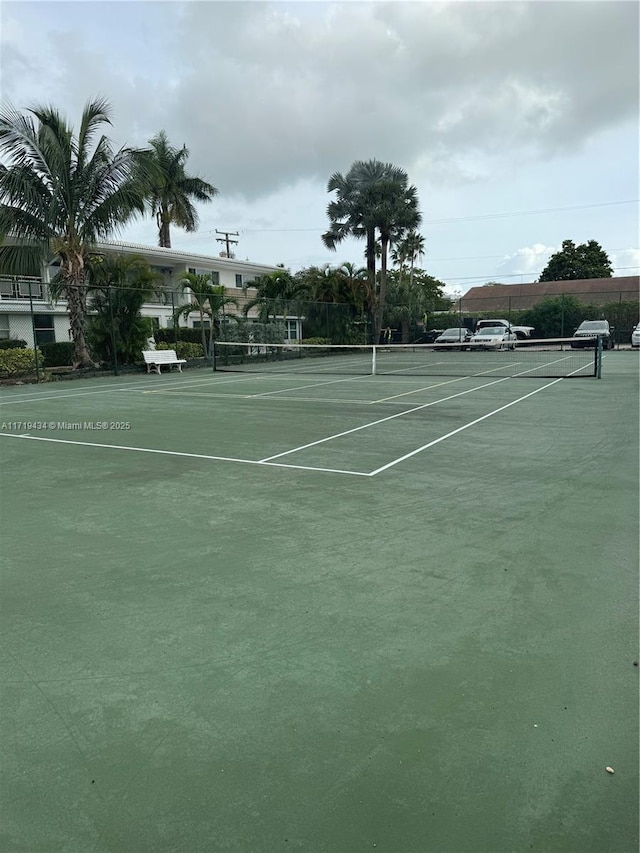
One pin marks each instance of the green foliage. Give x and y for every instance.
(60, 193)
(184, 349)
(245, 331)
(411, 299)
(14, 362)
(59, 354)
(316, 341)
(168, 336)
(122, 284)
(209, 300)
(557, 316)
(373, 200)
(587, 260)
(170, 191)
(12, 343)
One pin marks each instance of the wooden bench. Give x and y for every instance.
(155, 358)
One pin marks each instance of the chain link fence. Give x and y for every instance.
(122, 322)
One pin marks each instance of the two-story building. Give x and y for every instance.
(27, 308)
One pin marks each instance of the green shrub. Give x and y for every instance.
(59, 354)
(315, 341)
(12, 343)
(184, 349)
(16, 361)
(168, 336)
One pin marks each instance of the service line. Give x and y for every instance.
(382, 420)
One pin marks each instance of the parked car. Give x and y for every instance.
(521, 332)
(493, 337)
(430, 336)
(588, 331)
(453, 336)
(635, 337)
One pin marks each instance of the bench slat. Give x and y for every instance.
(155, 358)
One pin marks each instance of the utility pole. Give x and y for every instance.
(226, 239)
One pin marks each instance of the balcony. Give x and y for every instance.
(17, 287)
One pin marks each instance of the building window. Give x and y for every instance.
(238, 280)
(4, 326)
(213, 275)
(43, 324)
(291, 330)
(201, 324)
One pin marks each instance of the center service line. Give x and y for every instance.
(462, 428)
(382, 420)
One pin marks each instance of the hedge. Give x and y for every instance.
(16, 361)
(184, 349)
(12, 343)
(58, 354)
(169, 336)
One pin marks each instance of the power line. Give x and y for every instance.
(467, 218)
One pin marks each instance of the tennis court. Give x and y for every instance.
(307, 609)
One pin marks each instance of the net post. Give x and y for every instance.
(213, 356)
(598, 364)
(373, 361)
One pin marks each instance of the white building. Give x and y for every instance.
(19, 295)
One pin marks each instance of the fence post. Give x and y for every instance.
(33, 330)
(113, 332)
(175, 319)
(509, 317)
(562, 315)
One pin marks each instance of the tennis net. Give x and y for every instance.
(527, 358)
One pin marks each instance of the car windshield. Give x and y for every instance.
(592, 325)
(492, 330)
(456, 332)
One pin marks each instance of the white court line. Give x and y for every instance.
(310, 385)
(471, 423)
(383, 420)
(188, 455)
(461, 429)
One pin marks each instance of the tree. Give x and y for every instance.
(209, 300)
(170, 191)
(61, 193)
(274, 290)
(373, 200)
(410, 300)
(119, 286)
(409, 247)
(587, 260)
(558, 316)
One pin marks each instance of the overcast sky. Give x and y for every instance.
(517, 122)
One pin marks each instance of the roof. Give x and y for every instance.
(596, 290)
(180, 256)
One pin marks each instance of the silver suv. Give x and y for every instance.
(589, 330)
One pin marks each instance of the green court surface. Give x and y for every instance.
(333, 614)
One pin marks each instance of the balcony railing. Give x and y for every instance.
(17, 287)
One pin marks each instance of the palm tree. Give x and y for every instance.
(274, 290)
(409, 247)
(120, 285)
(208, 300)
(170, 191)
(375, 201)
(60, 194)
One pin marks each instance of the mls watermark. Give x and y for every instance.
(65, 426)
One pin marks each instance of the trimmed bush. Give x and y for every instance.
(315, 341)
(168, 336)
(16, 361)
(58, 354)
(12, 343)
(184, 349)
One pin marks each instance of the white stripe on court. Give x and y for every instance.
(188, 455)
(460, 429)
(383, 420)
(470, 424)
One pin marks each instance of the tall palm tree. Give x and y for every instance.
(208, 300)
(171, 192)
(60, 194)
(409, 247)
(375, 201)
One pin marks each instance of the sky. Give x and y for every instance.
(517, 122)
